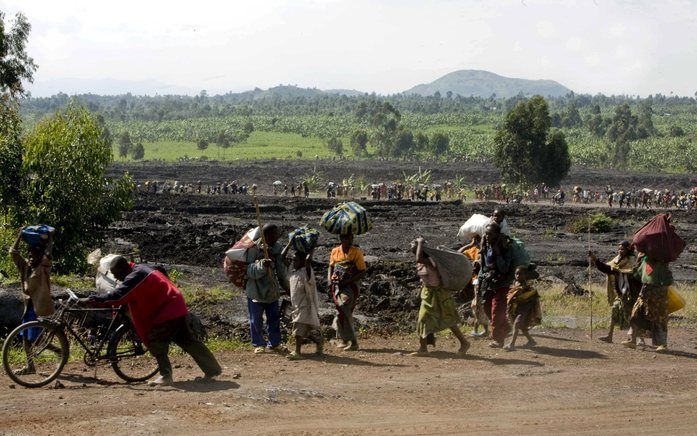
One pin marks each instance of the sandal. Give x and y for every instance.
(259, 350)
(294, 356)
(629, 344)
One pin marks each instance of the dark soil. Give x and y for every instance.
(265, 172)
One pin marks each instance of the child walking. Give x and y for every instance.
(303, 296)
(523, 306)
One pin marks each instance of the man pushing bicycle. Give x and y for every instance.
(159, 316)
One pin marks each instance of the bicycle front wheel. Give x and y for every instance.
(35, 353)
(129, 358)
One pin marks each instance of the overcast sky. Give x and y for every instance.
(613, 47)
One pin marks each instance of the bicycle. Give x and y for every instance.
(35, 353)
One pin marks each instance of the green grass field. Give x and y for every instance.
(260, 145)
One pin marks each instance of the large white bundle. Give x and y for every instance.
(105, 280)
(476, 225)
(238, 252)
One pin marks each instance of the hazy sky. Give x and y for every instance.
(632, 47)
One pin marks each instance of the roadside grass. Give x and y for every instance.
(560, 310)
(199, 296)
(72, 282)
(260, 145)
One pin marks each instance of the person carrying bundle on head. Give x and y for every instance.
(35, 276)
(346, 268)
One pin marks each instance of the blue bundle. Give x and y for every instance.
(36, 236)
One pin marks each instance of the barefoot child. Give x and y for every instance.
(523, 306)
(303, 295)
(437, 310)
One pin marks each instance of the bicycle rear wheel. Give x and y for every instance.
(35, 353)
(129, 358)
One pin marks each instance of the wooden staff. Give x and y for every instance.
(261, 230)
(590, 290)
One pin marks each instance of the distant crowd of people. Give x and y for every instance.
(622, 198)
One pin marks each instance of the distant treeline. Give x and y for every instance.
(654, 133)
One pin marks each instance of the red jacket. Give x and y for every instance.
(151, 297)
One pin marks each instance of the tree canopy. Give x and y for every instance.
(65, 159)
(15, 63)
(526, 152)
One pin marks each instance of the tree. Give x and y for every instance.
(125, 144)
(15, 63)
(645, 127)
(439, 144)
(571, 117)
(525, 151)
(335, 146)
(11, 173)
(595, 123)
(404, 144)
(15, 66)
(676, 131)
(622, 130)
(202, 144)
(421, 141)
(138, 151)
(359, 142)
(67, 159)
(248, 128)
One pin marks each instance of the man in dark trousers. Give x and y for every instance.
(159, 316)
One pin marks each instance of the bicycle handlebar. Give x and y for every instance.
(72, 296)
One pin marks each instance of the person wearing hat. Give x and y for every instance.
(622, 287)
(159, 316)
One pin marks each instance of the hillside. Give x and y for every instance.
(483, 84)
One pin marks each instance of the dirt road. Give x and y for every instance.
(565, 385)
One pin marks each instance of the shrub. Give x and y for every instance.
(599, 223)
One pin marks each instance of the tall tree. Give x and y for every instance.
(359, 141)
(438, 145)
(645, 127)
(67, 157)
(594, 122)
(11, 173)
(525, 151)
(571, 117)
(15, 63)
(138, 151)
(622, 130)
(125, 144)
(335, 146)
(15, 66)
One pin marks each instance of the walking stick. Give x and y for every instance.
(261, 229)
(590, 290)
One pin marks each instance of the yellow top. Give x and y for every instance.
(355, 256)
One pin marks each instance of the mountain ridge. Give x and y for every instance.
(481, 83)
